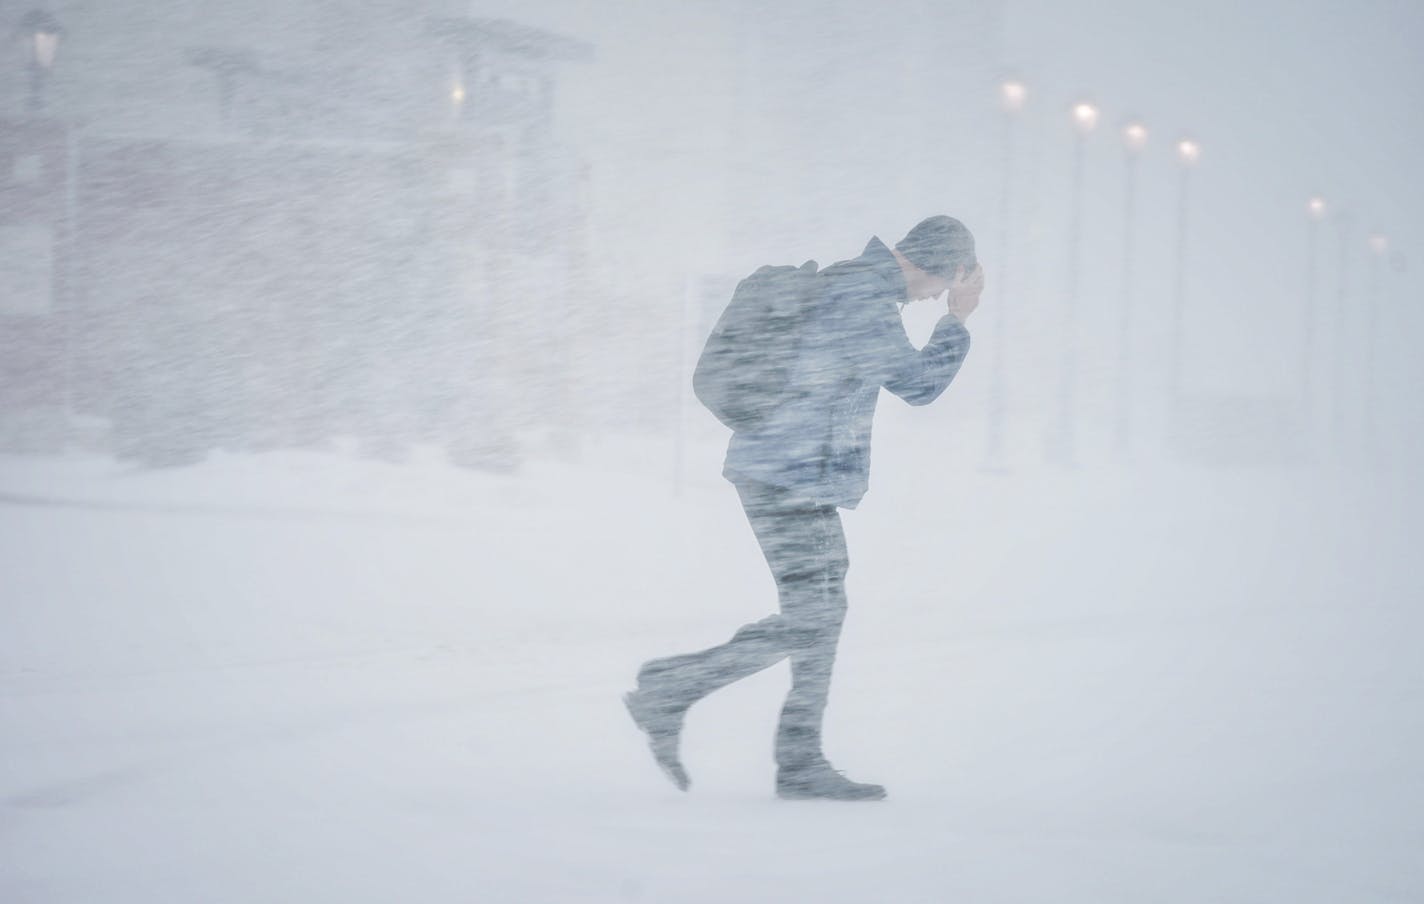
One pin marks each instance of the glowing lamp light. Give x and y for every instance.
(457, 94)
(1315, 208)
(1379, 244)
(1134, 137)
(41, 34)
(46, 47)
(1013, 93)
(1085, 117)
(1188, 151)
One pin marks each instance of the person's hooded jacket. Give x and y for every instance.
(817, 442)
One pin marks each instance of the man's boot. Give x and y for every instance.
(818, 781)
(660, 718)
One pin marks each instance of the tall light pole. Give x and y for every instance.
(40, 35)
(1012, 94)
(1379, 247)
(1344, 222)
(1188, 154)
(1062, 448)
(1315, 210)
(1134, 140)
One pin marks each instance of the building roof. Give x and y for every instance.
(513, 38)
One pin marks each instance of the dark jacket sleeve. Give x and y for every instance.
(919, 376)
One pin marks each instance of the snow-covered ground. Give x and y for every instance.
(306, 677)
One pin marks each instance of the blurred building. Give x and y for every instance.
(324, 222)
(264, 224)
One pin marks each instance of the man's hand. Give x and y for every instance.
(964, 292)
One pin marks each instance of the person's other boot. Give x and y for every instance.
(660, 719)
(818, 781)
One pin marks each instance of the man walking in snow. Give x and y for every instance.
(807, 458)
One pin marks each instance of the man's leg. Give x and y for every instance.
(668, 687)
(689, 677)
(804, 546)
(806, 549)
(793, 536)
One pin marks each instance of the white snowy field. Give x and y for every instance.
(307, 677)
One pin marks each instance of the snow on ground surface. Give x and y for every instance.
(306, 677)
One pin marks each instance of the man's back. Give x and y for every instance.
(817, 443)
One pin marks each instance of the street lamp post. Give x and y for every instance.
(1315, 212)
(40, 35)
(1188, 153)
(1344, 222)
(1062, 448)
(1379, 247)
(1134, 139)
(1012, 94)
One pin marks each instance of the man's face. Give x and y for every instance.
(922, 285)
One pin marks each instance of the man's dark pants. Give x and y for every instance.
(805, 546)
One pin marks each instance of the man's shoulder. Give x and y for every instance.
(863, 277)
(858, 273)
(875, 261)
(856, 266)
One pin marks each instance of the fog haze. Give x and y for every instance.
(350, 462)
